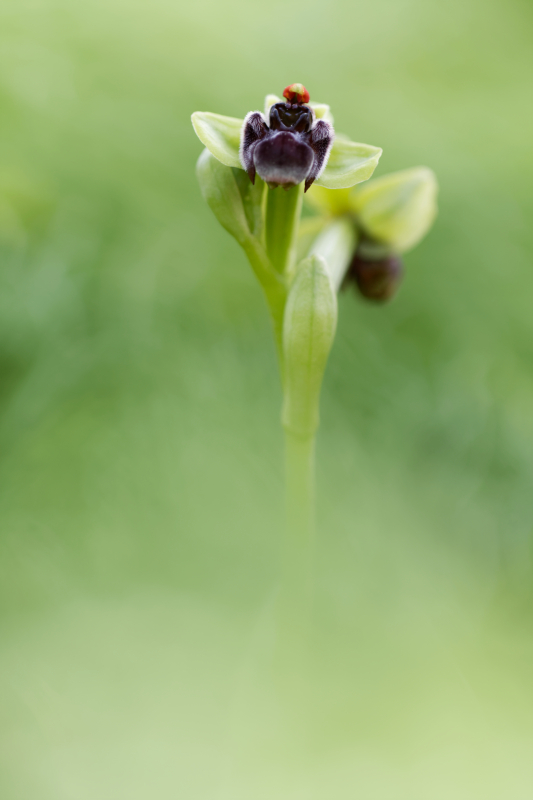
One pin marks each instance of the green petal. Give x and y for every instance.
(398, 209)
(221, 135)
(349, 163)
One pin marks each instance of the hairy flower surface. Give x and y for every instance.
(294, 146)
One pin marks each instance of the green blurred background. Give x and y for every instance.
(141, 478)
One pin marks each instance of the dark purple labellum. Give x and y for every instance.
(283, 160)
(292, 149)
(376, 280)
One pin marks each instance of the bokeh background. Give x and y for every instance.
(141, 453)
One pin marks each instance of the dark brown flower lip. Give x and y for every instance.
(377, 279)
(282, 159)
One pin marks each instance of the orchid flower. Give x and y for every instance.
(253, 175)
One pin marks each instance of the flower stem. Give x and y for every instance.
(283, 209)
(298, 542)
(274, 288)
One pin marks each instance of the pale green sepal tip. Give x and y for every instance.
(270, 99)
(336, 244)
(221, 135)
(322, 111)
(309, 325)
(349, 163)
(398, 209)
(220, 191)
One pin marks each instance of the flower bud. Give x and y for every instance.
(376, 279)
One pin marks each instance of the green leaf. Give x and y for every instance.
(221, 135)
(308, 331)
(221, 192)
(349, 163)
(398, 209)
(336, 244)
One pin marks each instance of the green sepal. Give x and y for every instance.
(336, 245)
(309, 325)
(221, 135)
(398, 209)
(322, 111)
(349, 163)
(329, 202)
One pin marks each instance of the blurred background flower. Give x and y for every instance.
(139, 397)
(365, 229)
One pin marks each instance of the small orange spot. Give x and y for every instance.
(296, 93)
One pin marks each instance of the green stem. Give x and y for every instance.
(274, 287)
(283, 209)
(298, 543)
(282, 218)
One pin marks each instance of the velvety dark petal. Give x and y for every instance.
(282, 159)
(320, 139)
(253, 130)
